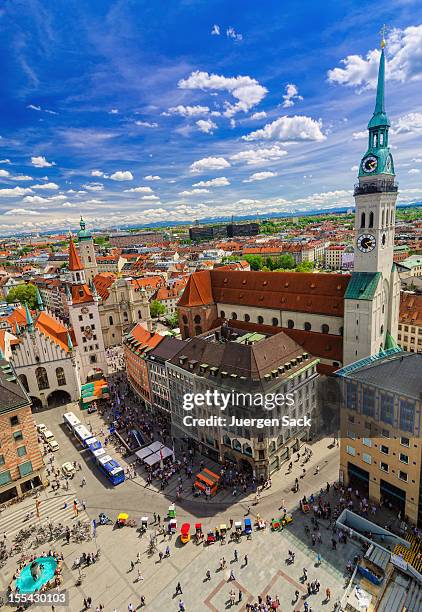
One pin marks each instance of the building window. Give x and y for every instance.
(387, 409)
(385, 433)
(368, 407)
(367, 458)
(307, 326)
(91, 316)
(80, 318)
(198, 330)
(384, 449)
(371, 219)
(234, 316)
(247, 318)
(351, 395)
(290, 324)
(1, 460)
(24, 382)
(362, 219)
(351, 435)
(17, 435)
(25, 468)
(350, 450)
(197, 318)
(261, 455)
(403, 475)
(5, 477)
(61, 378)
(384, 466)
(260, 320)
(405, 442)
(42, 378)
(275, 322)
(325, 328)
(14, 420)
(367, 441)
(125, 317)
(184, 319)
(21, 450)
(110, 320)
(407, 415)
(222, 315)
(93, 358)
(404, 458)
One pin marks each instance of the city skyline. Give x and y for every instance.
(198, 112)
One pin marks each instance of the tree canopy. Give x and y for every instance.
(156, 309)
(25, 293)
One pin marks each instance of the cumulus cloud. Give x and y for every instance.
(404, 61)
(231, 33)
(138, 190)
(297, 128)
(146, 124)
(150, 197)
(22, 177)
(193, 192)
(4, 173)
(122, 175)
(206, 125)
(46, 186)
(291, 96)
(258, 156)
(414, 171)
(114, 111)
(14, 192)
(220, 181)
(258, 116)
(215, 30)
(41, 162)
(410, 123)
(152, 177)
(259, 176)
(247, 91)
(93, 186)
(187, 111)
(5, 161)
(20, 211)
(40, 200)
(68, 205)
(97, 173)
(209, 163)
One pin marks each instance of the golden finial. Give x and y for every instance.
(383, 32)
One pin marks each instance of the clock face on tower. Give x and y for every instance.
(369, 164)
(366, 243)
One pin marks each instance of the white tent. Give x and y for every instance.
(143, 453)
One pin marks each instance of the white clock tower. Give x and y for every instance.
(373, 295)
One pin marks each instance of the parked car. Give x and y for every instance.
(41, 427)
(47, 435)
(53, 445)
(68, 469)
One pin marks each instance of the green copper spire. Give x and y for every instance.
(379, 117)
(40, 303)
(29, 320)
(69, 342)
(17, 329)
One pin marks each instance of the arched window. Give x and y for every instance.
(186, 332)
(110, 320)
(89, 258)
(226, 440)
(139, 314)
(61, 379)
(382, 218)
(386, 217)
(197, 318)
(184, 319)
(260, 320)
(222, 314)
(275, 321)
(42, 378)
(362, 219)
(290, 324)
(24, 382)
(236, 445)
(307, 326)
(234, 316)
(125, 317)
(371, 219)
(324, 328)
(198, 330)
(247, 449)
(247, 318)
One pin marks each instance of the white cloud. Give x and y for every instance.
(146, 124)
(4, 173)
(40, 200)
(97, 173)
(215, 30)
(193, 192)
(257, 156)
(122, 175)
(150, 197)
(291, 96)
(404, 55)
(299, 127)
(187, 111)
(258, 116)
(209, 163)
(22, 177)
(5, 161)
(47, 186)
(152, 177)
(220, 181)
(259, 176)
(14, 192)
(41, 162)
(414, 171)
(138, 190)
(354, 168)
(247, 91)
(93, 186)
(33, 107)
(114, 111)
(231, 33)
(359, 135)
(20, 211)
(410, 123)
(206, 125)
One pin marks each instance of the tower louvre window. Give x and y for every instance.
(362, 219)
(371, 219)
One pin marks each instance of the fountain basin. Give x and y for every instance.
(26, 583)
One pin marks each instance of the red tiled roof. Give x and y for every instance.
(81, 294)
(103, 282)
(74, 259)
(410, 308)
(198, 290)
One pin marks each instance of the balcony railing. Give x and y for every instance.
(377, 187)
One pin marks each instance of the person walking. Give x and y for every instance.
(181, 606)
(231, 577)
(132, 566)
(305, 574)
(245, 558)
(328, 594)
(235, 555)
(138, 557)
(208, 575)
(240, 596)
(179, 589)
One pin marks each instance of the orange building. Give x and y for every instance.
(136, 347)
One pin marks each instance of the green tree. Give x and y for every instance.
(255, 261)
(286, 262)
(173, 320)
(305, 266)
(23, 293)
(156, 309)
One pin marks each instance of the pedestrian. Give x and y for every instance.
(208, 575)
(130, 608)
(132, 565)
(245, 558)
(167, 553)
(138, 557)
(236, 558)
(318, 559)
(140, 577)
(240, 596)
(305, 574)
(296, 595)
(155, 518)
(179, 589)
(231, 577)
(85, 604)
(181, 606)
(89, 602)
(231, 523)
(160, 554)
(328, 594)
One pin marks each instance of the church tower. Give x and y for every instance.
(85, 320)
(373, 294)
(87, 251)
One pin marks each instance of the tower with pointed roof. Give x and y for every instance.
(87, 251)
(85, 319)
(373, 295)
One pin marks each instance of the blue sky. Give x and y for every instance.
(131, 112)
